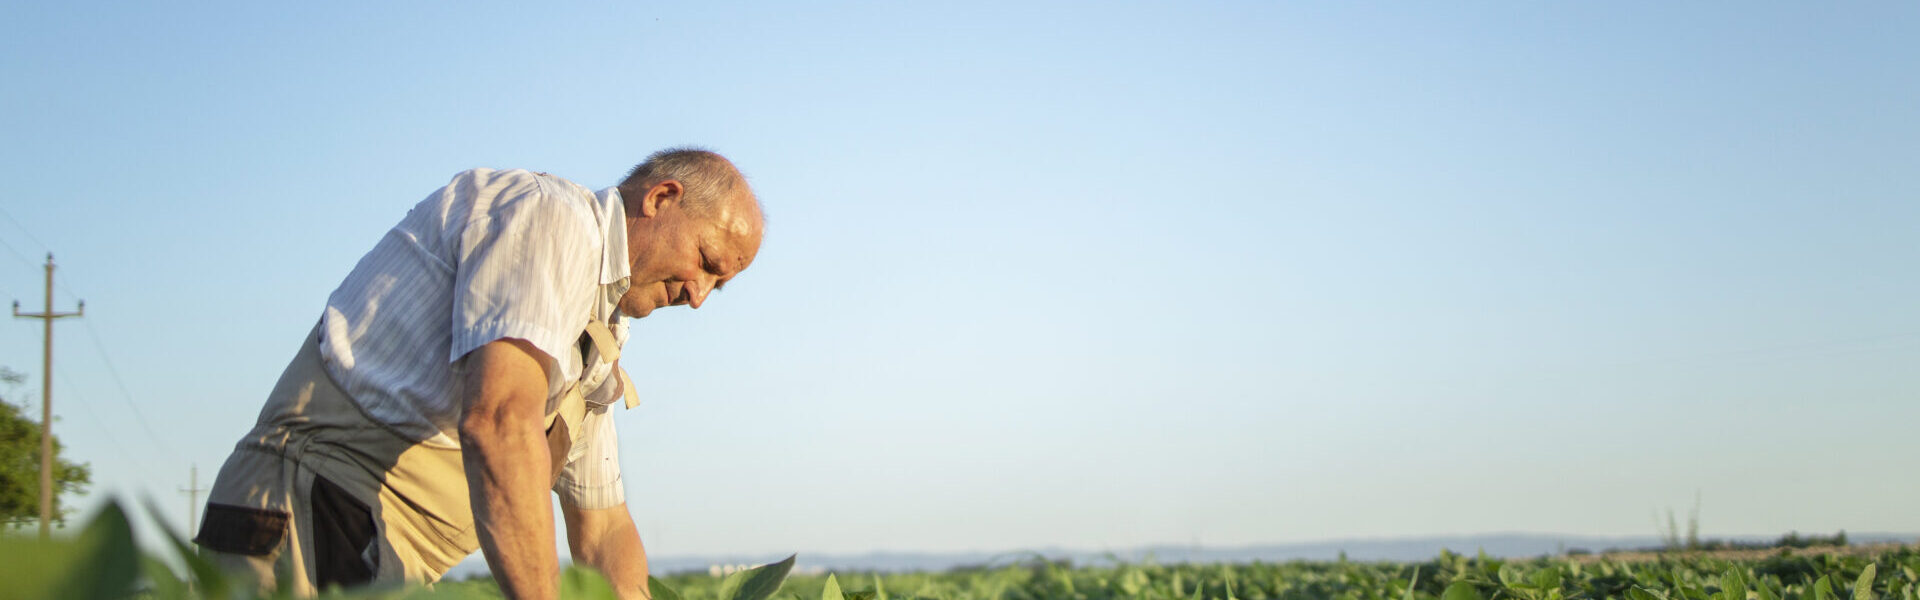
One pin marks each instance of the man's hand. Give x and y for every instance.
(606, 539)
(504, 388)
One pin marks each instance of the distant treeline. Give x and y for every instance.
(1793, 539)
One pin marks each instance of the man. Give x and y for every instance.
(466, 366)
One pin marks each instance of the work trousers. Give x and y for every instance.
(331, 497)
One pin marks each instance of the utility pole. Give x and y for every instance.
(46, 398)
(192, 491)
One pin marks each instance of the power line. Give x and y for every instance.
(64, 284)
(125, 395)
(112, 440)
(24, 231)
(66, 288)
(16, 253)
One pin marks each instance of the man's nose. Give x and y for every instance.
(696, 293)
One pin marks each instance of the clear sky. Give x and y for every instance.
(1093, 275)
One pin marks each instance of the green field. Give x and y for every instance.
(104, 562)
(1448, 577)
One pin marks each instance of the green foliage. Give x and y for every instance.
(102, 562)
(20, 465)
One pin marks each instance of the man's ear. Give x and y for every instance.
(660, 195)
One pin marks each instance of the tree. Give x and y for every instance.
(20, 464)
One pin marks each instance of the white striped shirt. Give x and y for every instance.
(492, 255)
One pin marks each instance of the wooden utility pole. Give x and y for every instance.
(192, 491)
(46, 398)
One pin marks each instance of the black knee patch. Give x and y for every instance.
(342, 532)
(241, 530)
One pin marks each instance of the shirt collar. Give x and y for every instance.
(614, 269)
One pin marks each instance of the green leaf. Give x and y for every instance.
(1460, 590)
(832, 591)
(1640, 593)
(582, 582)
(1546, 579)
(1863, 588)
(1823, 589)
(108, 562)
(879, 591)
(1509, 574)
(1733, 585)
(32, 568)
(660, 589)
(1411, 585)
(1764, 589)
(166, 584)
(760, 583)
(206, 578)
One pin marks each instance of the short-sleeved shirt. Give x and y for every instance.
(492, 255)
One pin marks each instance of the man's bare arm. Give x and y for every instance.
(504, 390)
(606, 539)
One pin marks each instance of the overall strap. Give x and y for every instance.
(602, 339)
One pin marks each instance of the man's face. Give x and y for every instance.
(679, 258)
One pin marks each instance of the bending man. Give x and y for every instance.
(468, 365)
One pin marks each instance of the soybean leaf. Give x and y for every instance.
(1863, 588)
(166, 584)
(581, 582)
(1509, 575)
(760, 583)
(1640, 593)
(207, 579)
(1733, 585)
(1545, 579)
(832, 591)
(660, 589)
(1460, 590)
(32, 568)
(108, 562)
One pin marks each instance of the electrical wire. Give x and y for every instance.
(87, 407)
(23, 229)
(16, 253)
(66, 289)
(125, 395)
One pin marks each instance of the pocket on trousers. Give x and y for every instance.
(241, 530)
(342, 533)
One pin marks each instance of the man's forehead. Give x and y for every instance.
(741, 217)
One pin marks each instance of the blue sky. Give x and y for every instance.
(1091, 275)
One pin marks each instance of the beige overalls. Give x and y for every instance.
(302, 484)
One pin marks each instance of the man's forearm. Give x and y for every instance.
(505, 454)
(607, 540)
(513, 511)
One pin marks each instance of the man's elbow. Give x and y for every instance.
(503, 389)
(484, 425)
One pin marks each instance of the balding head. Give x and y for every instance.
(692, 225)
(708, 181)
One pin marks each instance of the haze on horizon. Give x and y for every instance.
(1077, 275)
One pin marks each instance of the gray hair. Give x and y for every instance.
(707, 179)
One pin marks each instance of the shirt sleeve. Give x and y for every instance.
(526, 266)
(591, 477)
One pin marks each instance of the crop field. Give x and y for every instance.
(104, 562)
